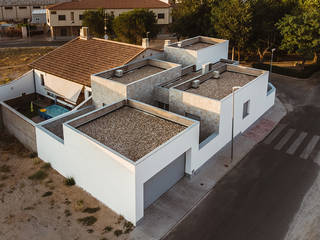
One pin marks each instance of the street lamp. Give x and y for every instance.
(232, 127)
(272, 51)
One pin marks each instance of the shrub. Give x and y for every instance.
(39, 175)
(107, 229)
(47, 194)
(5, 168)
(91, 210)
(69, 181)
(87, 221)
(118, 232)
(128, 227)
(46, 166)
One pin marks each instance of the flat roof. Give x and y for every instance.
(182, 79)
(198, 45)
(222, 87)
(136, 74)
(130, 131)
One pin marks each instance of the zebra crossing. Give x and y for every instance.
(293, 142)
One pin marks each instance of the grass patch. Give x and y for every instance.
(5, 168)
(291, 72)
(91, 210)
(69, 181)
(39, 175)
(128, 227)
(118, 232)
(107, 229)
(87, 221)
(33, 155)
(47, 194)
(46, 166)
(67, 213)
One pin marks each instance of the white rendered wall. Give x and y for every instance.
(212, 54)
(15, 88)
(260, 102)
(105, 175)
(161, 157)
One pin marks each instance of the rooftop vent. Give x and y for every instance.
(179, 44)
(195, 83)
(118, 73)
(216, 74)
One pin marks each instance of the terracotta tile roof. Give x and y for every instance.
(78, 59)
(109, 4)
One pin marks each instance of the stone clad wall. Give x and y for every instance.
(207, 109)
(144, 90)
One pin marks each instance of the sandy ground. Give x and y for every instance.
(14, 61)
(47, 209)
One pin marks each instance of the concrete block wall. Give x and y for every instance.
(207, 109)
(144, 89)
(20, 127)
(106, 92)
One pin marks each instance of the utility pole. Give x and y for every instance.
(272, 51)
(232, 127)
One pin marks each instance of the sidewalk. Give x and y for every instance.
(163, 215)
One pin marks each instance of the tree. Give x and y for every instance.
(232, 20)
(301, 32)
(191, 18)
(266, 13)
(95, 21)
(132, 26)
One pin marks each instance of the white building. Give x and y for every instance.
(148, 122)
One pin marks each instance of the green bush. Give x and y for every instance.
(39, 175)
(305, 73)
(87, 221)
(69, 181)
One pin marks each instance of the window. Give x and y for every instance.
(72, 16)
(63, 32)
(37, 19)
(8, 8)
(62, 17)
(246, 109)
(36, 7)
(42, 79)
(80, 17)
(194, 117)
(160, 15)
(22, 7)
(53, 12)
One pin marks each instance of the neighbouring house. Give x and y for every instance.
(65, 19)
(21, 10)
(149, 121)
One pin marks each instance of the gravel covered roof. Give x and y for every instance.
(137, 74)
(222, 87)
(131, 132)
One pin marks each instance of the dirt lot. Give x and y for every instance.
(41, 206)
(13, 61)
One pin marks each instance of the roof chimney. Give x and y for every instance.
(145, 42)
(84, 33)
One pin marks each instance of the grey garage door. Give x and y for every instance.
(164, 180)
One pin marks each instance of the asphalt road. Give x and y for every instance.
(259, 198)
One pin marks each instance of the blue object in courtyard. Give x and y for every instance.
(52, 111)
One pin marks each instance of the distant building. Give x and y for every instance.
(65, 19)
(39, 16)
(21, 10)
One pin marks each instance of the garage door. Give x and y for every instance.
(164, 180)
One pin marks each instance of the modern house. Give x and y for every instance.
(21, 10)
(65, 19)
(148, 123)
